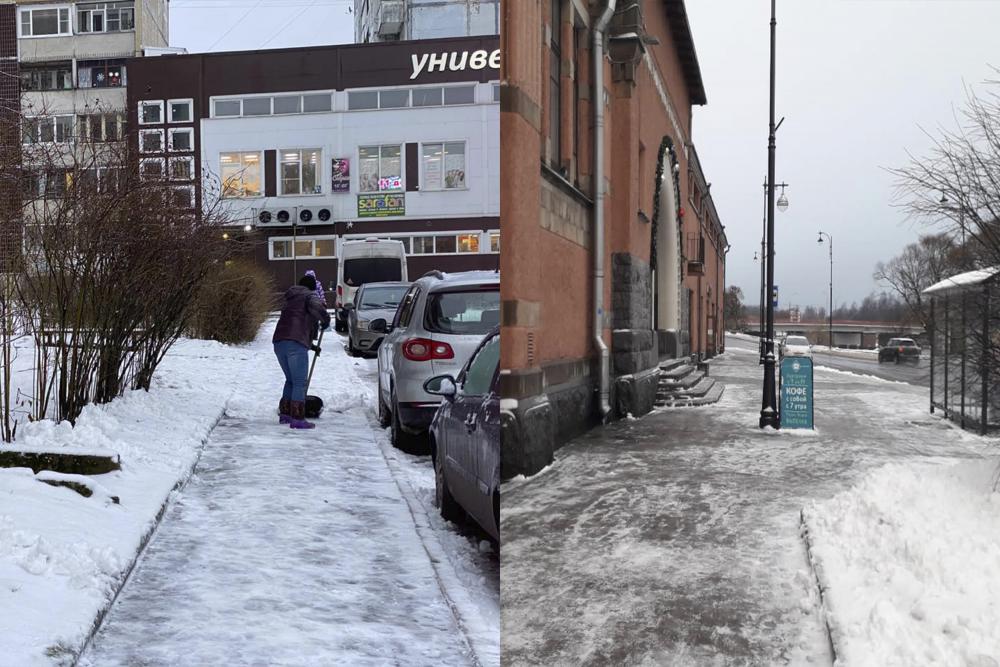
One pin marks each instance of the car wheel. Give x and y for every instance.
(450, 509)
(339, 325)
(401, 439)
(351, 350)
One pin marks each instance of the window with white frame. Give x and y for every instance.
(266, 105)
(380, 168)
(241, 175)
(394, 98)
(300, 171)
(459, 95)
(181, 196)
(315, 247)
(110, 179)
(181, 140)
(446, 244)
(496, 92)
(151, 113)
(47, 22)
(105, 16)
(180, 111)
(100, 127)
(151, 141)
(494, 241)
(227, 108)
(152, 169)
(181, 168)
(444, 166)
(48, 130)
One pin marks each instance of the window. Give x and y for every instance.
(50, 77)
(380, 168)
(300, 172)
(100, 127)
(288, 104)
(181, 140)
(180, 111)
(45, 22)
(150, 113)
(471, 312)
(101, 74)
(152, 168)
(393, 99)
(181, 196)
(444, 166)
(56, 183)
(427, 97)
(109, 179)
(494, 242)
(317, 247)
(48, 129)
(482, 369)
(105, 16)
(181, 168)
(316, 103)
(151, 141)
(423, 245)
(460, 95)
(226, 108)
(240, 175)
(367, 99)
(496, 92)
(555, 77)
(468, 243)
(257, 106)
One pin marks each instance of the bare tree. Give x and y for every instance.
(930, 260)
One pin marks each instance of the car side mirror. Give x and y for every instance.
(441, 385)
(348, 306)
(378, 326)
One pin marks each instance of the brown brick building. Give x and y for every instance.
(656, 261)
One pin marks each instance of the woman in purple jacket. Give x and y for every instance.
(292, 339)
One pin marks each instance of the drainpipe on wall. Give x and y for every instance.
(598, 97)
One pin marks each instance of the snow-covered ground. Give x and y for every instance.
(283, 548)
(909, 560)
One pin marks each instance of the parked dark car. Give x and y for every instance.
(900, 349)
(465, 439)
(371, 302)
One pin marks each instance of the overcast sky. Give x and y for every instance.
(237, 25)
(856, 80)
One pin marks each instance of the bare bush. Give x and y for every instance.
(232, 306)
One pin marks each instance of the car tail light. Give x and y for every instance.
(900, 349)
(425, 349)
(340, 290)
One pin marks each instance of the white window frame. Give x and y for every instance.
(38, 137)
(170, 110)
(402, 167)
(146, 103)
(104, 10)
(413, 235)
(179, 130)
(319, 172)
(187, 188)
(189, 159)
(270, 96)
(442, 144)
(260, 166)
(29, 10)
(489, 237)
(149, 160)
(300, 238)
(142, 141)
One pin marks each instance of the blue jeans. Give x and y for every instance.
(294, 360)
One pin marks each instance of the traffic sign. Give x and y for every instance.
(797, 392)
(774, 296)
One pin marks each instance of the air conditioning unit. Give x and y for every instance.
(390, 17)
(315, 215)
(283, 215)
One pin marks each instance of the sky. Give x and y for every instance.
(856, 81)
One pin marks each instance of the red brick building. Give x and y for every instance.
(599, 285)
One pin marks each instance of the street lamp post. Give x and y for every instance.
(830, 330)
(769, 406)
(782, 206)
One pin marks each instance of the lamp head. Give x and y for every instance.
(782, 203)
(820, 239)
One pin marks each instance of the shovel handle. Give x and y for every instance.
(319, 343)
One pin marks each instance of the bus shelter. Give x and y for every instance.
(965, 342)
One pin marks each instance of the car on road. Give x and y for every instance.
(898, 350)
(438, 325)
(465, 439)
(371, 302)
(366, 261)
(796, 346)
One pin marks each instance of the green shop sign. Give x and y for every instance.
(381, 205)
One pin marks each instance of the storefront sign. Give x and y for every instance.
(455, 61)
(381, 205)
(796, 392)
(341, 174)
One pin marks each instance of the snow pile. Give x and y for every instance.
(909, 561)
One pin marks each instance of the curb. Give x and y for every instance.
(145, 540)
(824, 609)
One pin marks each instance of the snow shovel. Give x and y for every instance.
(314, 404)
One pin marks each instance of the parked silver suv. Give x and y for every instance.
(439, 324)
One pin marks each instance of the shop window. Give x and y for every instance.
(468, 243)
(444, 166)
(494, 241)
(151, 113)
(241, 175)
(45, 22)
(181, 140)
(380, 168)
(180, 111)
(317, 247)
(105, 17)
(300, 172)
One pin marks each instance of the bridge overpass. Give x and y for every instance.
(846, 333)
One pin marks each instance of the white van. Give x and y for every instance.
(369, 261)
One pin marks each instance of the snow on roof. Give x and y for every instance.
(962, 281)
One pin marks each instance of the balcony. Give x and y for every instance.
(695, 254)
(390, 18)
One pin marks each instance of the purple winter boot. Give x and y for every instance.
(298, 419)
(284, 411)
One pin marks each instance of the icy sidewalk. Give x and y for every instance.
(286, 548)
(674, 539)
